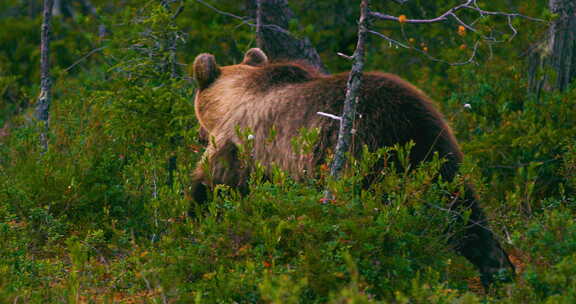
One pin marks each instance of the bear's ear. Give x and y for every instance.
(205, 70)
(255, 57)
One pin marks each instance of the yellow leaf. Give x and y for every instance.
(209, 275)
(461, 30)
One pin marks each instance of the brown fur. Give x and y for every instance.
(287, 96)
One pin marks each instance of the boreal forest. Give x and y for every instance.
(287, 151)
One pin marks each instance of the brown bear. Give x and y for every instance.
(259, 96)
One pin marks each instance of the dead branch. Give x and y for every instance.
(96, 50)
(400, 44)
(452, 14)
(469, 4)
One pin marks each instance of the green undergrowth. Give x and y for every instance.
(101, 217)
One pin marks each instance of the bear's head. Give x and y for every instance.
(206, 71)
(218, 85)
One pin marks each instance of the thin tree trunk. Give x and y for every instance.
(171, 42)
(171, 45)
(273, 37)
(352, 97)
(259, 35)
(45, 98)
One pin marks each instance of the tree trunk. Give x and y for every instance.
(273, 37)
(352, 95)
(558, 52)
(352, 98)
(563, 42)
(43, 106)
(171, 44)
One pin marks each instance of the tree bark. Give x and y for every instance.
(563, 42)
(352, 98)
(45, 98)
(558, 52)
(273, 37)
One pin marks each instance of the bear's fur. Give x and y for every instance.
(260, 96)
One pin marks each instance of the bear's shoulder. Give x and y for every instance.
(279, 74)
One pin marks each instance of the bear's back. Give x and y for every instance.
(278, 100)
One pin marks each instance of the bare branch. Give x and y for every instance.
(400, 44)
(84, 57)
(514, 31)
(442, 17)
(469, 4)
(345, 56)
(330, 116)
(392, 41)
(451, 13)
(245, 20)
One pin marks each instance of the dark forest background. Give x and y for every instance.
(100, 217)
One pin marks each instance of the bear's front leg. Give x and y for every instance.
(480, 246)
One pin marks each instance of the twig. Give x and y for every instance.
(451, 13)
(244, 19)
(469, 4)
(344, 56)
(330, 116)
(398, 43)
(84, 57)
(392, 41)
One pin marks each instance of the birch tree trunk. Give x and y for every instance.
(352, 95)
(558, 52)
(351, 100)
(45, 98)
